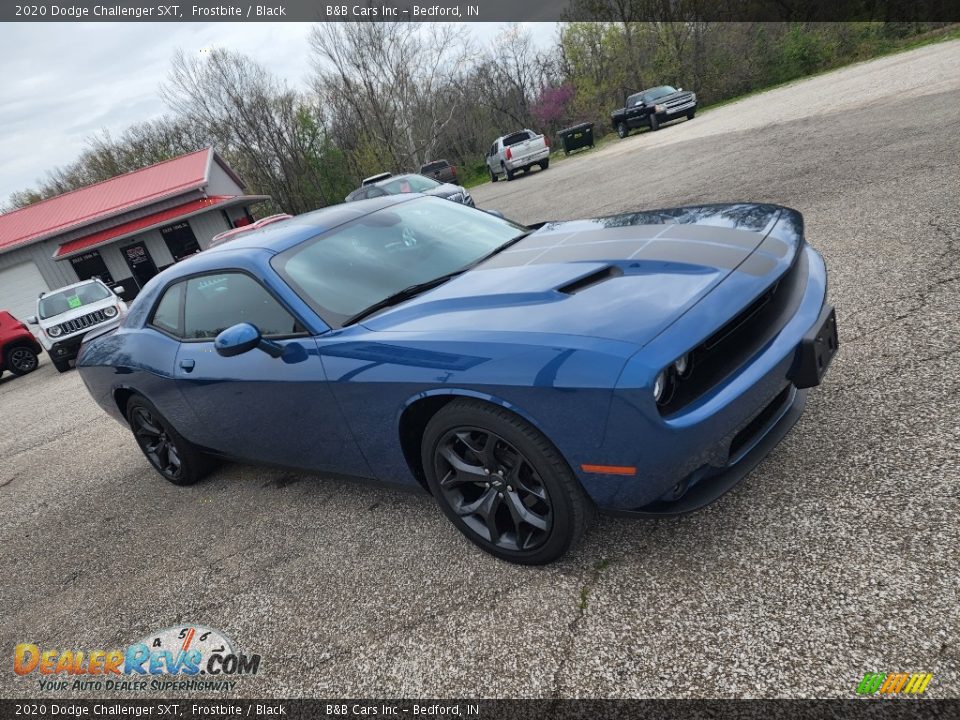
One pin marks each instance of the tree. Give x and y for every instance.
(273, 136)
(389, 78)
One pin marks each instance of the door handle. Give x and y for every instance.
(187, 365)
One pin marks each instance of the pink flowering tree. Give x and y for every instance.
(551, 110)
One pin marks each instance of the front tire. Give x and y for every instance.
(61, 365)
(21, 360)
(622, 130)
(503, 484)
(176, 459)
(654, 123)
(691, 114)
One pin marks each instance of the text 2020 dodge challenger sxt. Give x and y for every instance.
(526, 376)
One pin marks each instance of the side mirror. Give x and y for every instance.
(32, 320)
(119, 290)
(242, 338)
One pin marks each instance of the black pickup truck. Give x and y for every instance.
(653, 107)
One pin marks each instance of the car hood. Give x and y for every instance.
(679, 95)
(445, 190)
(624, 278)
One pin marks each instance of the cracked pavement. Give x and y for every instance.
(836, 556)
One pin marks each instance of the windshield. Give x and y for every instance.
(658, 92)
(352, 267)
(72, 298)
(408, 184)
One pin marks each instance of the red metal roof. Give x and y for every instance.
(158, 218)
(104, 199)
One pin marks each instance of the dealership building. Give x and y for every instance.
(123, 230)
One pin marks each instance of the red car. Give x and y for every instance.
(19, 349)
(226, 235)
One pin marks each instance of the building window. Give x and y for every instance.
(91, 265)
(180, 240)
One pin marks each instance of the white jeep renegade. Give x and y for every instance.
(67, 314)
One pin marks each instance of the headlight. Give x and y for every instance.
(659, 108)
(54, 331)
(110, 311)
(682, 364)
(693, 96)
(659, 385)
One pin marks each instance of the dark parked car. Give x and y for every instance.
(19, 349)
(651, 108)
(386, 184)
(440, 170)
(523, 375)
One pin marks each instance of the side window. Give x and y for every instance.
(216, 302)
(167, 314)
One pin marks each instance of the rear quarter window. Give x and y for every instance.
(166, 316)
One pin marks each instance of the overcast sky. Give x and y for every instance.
(65, 81)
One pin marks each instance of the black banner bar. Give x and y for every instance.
(856, 709)
(482, 11)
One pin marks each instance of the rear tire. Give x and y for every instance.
(622, 130)
(508, 173)
(503, 484)
(61, 365)
(21, 360)
(545, 164)
(176, 459)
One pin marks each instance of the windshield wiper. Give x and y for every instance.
(401, 295)
(414, 290)
(501, 248)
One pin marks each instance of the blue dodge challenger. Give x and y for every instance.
(525, 376)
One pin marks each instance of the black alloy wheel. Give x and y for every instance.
(167, 451)
(503, 484)
(157, 445)
(22, 360)
(494, 488)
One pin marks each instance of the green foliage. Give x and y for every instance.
(308, 150)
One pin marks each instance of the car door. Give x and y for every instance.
(253, 406)
(634, 110)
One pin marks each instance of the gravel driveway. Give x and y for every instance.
(838, 555)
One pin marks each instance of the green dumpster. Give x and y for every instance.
(576, 137)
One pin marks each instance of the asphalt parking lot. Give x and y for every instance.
(838, 555)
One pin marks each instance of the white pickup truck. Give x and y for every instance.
(517, 151)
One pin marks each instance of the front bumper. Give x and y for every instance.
(688, 459)
(66, 349)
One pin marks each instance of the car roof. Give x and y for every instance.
(279, 236)
(375, 178)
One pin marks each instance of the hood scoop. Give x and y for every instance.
(594, 278)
